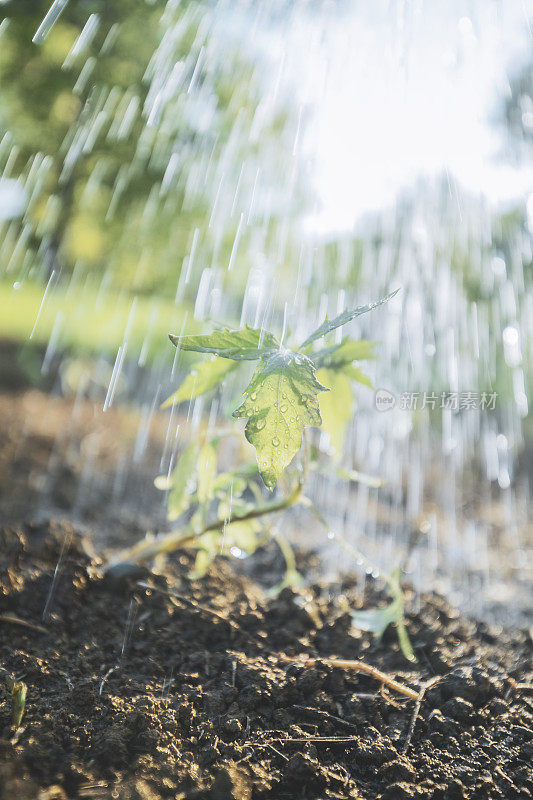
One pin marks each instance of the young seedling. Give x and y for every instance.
(290, 390)
(282, 398)
(18, 691)
(375, 620)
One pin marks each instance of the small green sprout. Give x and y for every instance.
(18, 691)
(377, 620)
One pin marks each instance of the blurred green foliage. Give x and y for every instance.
(103, 197)
(89, 321)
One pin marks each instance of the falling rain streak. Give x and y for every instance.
(54, 12)
(55, 578)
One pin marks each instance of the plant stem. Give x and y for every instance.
(287, 552)
(147, 549)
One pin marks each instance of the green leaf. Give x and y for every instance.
(343, 318)
(203, 377)
(179, 499)
(355, 374)
(292, 577)
(246, 344)
(207, 468)
(229, 483)
(242, 534)
(18, 693)
(246, 471)
(235, 482)
(339, 355)
(339, 358)
(229, 506)
(281, 400)
(377, 620)
(201, 564)
(336, 406)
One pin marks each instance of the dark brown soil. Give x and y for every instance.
(180, 690)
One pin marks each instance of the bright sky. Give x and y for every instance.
(399, 94)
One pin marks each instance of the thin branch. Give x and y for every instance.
(322, 716)
(271, 747)
(104, 679)
(416, 712)
(9, 619)
(358, 666)
(312, 739)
